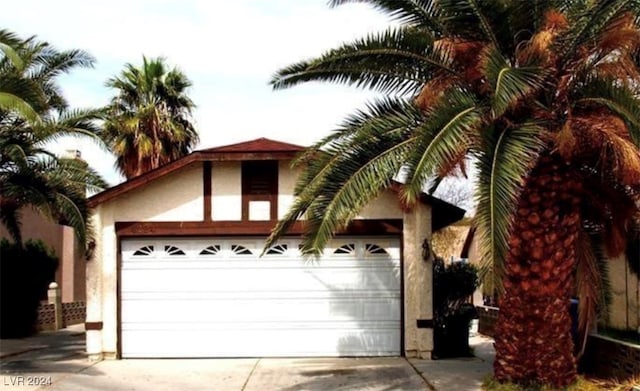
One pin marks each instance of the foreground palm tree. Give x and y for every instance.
(544, 94)
(33, 112)
(149, 120)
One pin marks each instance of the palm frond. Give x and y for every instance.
(396, 116)
(14, 103)
(503, 160)
(621, 100)
(589, 23)
(8, 43)
(77, 123)
(399, 60)
(442, 138)
(509, 84)
(592, 285)
(349, 172)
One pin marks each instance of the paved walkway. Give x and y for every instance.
(56, 361)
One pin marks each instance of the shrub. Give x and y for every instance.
(25, 274)
(452, 286)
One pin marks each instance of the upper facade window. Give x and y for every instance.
(259, 190)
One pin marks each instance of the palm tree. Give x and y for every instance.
(31, 176)
(544, 95)
(149, 120)
(12, 86)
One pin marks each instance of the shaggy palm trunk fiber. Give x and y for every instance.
(533, 335)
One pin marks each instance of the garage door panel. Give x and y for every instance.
(255, 278)
(242, 342)
(251, 310)
(177, 302)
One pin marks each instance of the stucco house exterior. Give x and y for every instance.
(177, 271)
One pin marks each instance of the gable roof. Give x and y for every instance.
(443, 213)
(261, 144)
(258, 149)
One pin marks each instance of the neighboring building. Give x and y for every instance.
(70, 274)
(448, 242)
(177, 271)
(624, 310)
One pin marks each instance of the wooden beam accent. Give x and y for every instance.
(243, 156)
(93, 325)
(206, 188)
(255, 228)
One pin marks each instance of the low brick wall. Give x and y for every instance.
(487, 317)
(608, 358)
(72, 313)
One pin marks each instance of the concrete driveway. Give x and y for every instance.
(246, 374)
(56, 361)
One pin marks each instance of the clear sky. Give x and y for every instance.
(229, 49)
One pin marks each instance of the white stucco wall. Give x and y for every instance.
(385, 206)
(286, 183)
(174, 197)
(226, 190)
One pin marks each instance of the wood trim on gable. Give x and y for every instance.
(141, 180)
(206, 190)
(198, 156)
(236, 228)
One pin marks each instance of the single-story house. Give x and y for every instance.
(177, 271)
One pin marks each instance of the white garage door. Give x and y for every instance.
(217, 298)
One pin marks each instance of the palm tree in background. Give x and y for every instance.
(149, 120)
(33, 113)
(544, 94)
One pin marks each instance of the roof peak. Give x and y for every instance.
(261, 144)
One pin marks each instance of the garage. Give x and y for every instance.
(176, 267)
(216, 297)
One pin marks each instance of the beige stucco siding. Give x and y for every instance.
(226, 190)
(385, 206)
(418, 275)
(175, 197)
(286, 183)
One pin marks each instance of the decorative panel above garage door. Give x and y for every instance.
(215, 297)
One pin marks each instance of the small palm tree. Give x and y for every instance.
(30, 176)
(149, 120)
(544, 94)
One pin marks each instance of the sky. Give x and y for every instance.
(229, 50)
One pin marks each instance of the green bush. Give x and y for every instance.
(452, 286)
(25, 274)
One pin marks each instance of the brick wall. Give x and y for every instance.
(608, 358)
(487, 317)
(72, 313)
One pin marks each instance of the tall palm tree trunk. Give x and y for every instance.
(533, 335)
